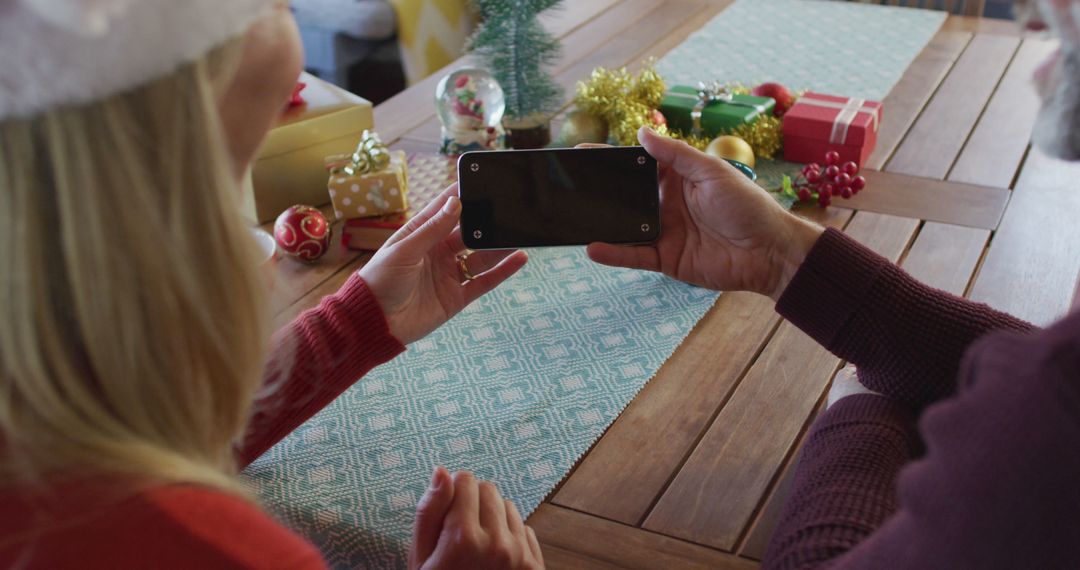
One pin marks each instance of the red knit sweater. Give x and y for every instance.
(991, 482)
(100, 523)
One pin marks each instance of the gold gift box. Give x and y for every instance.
(289, 168)
(371, 194)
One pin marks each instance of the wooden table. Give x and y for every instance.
(693, 473)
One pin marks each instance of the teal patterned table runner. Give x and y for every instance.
(518, 386)
(834, 47)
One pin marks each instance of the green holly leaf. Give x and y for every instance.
(785, 195)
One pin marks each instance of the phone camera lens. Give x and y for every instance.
(477, 233)
(474, 167)
(641, 160)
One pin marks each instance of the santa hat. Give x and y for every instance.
(68, 52)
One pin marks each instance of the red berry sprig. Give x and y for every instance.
(822, 185)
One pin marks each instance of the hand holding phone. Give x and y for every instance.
(557, 197)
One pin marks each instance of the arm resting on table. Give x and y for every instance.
(906, 338)
(316, 358)
(997, 487)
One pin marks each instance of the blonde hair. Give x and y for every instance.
(133, 327)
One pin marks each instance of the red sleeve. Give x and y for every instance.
(209, 529)
(95, 526)
(316, 358)
(906, 338)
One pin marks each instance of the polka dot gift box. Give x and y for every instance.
(372, 181)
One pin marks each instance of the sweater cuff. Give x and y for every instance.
(356, 308)
(830, 285)
(868, 408)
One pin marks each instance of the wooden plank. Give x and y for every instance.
(572, 15)
(938, 135)
(984, 26)
(945, 256)
(559, 559)
(908, 97)
(942, 256)
(757, 539)
(1031, 267)
(996, 148)
(328, 286)
(291, 279)
(624, 546)
(715, 494)
(928, 199)
(629, 467)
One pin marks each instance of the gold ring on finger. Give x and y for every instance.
(464, 267)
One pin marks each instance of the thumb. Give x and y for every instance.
(435, 229)
(683, 158)
(430, 513)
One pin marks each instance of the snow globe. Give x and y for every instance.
(470, 105)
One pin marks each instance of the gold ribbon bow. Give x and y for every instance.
(371, 155)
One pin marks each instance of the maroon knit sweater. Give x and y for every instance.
(991, 476)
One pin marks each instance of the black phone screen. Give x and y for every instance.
(534, 198)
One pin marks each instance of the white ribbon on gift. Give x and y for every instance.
(848, 111)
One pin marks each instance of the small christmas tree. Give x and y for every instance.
(516, 49)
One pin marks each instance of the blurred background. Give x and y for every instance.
(376, 48)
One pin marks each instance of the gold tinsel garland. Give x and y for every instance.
(626, 101)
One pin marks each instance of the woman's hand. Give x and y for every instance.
(719, 229)
(416, 278)
(461, 523)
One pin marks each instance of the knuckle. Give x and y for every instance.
(465, 537)
(504, 552)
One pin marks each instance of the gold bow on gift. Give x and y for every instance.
(371, 156)
(715, 92)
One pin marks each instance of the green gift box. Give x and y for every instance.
(720, 110)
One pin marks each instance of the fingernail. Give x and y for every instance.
(452, 205)
(436, 478)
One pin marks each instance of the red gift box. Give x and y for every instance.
(369, 234)
(818, 123)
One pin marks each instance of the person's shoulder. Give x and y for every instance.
(228, 528)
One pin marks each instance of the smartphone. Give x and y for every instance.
(555, 197)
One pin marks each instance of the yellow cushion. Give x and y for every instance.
(431, 33)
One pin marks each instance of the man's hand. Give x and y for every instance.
(719, 229)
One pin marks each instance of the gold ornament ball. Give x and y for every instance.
(581, 127)
(731, 148)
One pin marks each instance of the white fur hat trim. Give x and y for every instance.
(69, 52)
